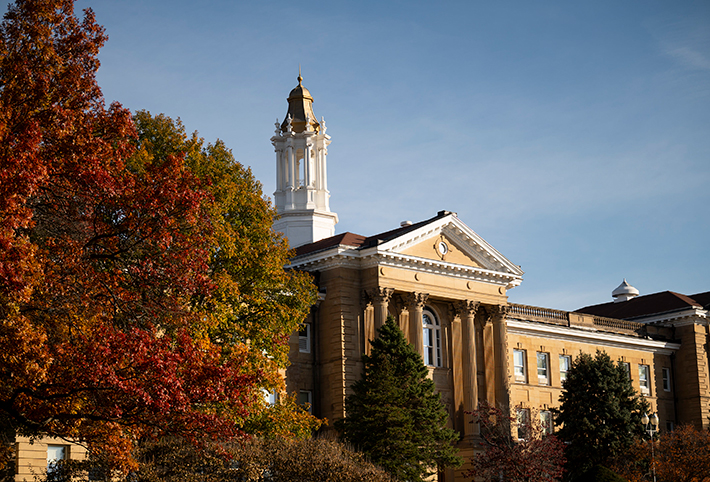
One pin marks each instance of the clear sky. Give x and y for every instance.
(573, 136)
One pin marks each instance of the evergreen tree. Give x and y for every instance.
(600, 412)
(395, 415)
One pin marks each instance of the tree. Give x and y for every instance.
(257, 460)
(142, 292)
(682, 455)
(394, 414)
(534, 458)
(600, 412)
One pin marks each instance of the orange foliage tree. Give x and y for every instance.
(141, 293)
(682, 455)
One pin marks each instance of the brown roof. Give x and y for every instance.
(656, 303)
(362, 242)
(346, 239)
(703, 299)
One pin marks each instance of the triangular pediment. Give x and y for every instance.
(464, 248)
(443, 248)
(440, 245)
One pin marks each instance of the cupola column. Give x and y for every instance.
(301, 196)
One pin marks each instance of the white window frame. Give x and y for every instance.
(519, 366)
(56, 453)
(546, 422)
(645, 379)
(543, 368)
(306, 397)
(304, 338)
(565, 364)
(666, 374)
(431, 332)
(627, 369)
(270, 396)
(522, 420)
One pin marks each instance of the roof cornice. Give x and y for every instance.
(496, 270)
(599, 338)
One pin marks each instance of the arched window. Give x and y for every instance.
(432, 339)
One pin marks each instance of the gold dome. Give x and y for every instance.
(300, 105)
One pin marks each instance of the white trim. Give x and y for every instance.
(497, 270)
(684, 317)
(600, 338)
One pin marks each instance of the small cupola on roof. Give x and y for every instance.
(300, 110)
(624, 292)
(302, 196)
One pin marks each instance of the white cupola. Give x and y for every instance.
(301, 196)
(624, 292)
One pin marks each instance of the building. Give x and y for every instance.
(447, 288)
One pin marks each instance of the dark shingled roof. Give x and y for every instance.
(656, 303)
(361, 242)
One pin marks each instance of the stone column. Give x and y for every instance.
(415, 304)
(467, 312)
(500, 347)
(380, 298)
(367, 333)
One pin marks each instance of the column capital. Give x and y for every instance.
(466, 308)
(416, 300)
(497, 313)
(379, 294)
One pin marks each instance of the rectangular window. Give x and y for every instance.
(627, 368)
(270, 396)
(432, 347)
(565, 362)
(543, 361)
(519, 366)
(304, 338)
(546, 422)
(522, 418)
(55, 453)
(645, 379)
(666, 379)
(305, 397)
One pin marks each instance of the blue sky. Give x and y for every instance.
(573, 136)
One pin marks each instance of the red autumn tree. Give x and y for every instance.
(682, 455)
(126, 307)
(503, 457)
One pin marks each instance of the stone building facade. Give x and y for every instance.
(447, 288)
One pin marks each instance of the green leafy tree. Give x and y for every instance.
(142, 289)
(394, 414)
(600, 412)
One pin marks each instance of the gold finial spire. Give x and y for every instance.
(300, 79)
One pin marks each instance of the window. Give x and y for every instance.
(270, 396)
(565, 362)
(432, 339)
(627, 368)
(304, 338)
(645, 379)
(669, 426)
(666, 379)
(55, 453)
(546, 422)
(523, 421)
(305, 397)
(543, 360)
(519, 366)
